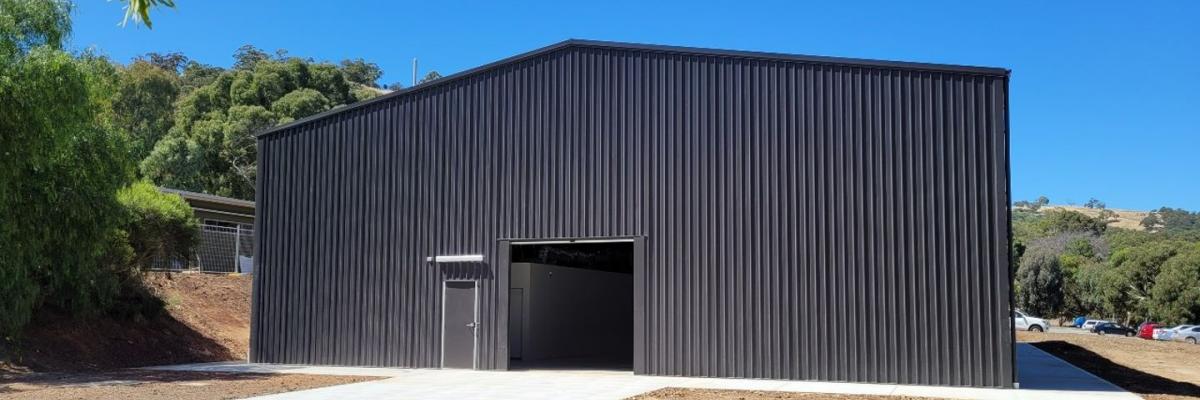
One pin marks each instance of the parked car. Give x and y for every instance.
(1078, 322)
(1146, 330)
(1024, 322)
(1113, 328)
(1190, 335)
(1168, 333)
(1090, 324)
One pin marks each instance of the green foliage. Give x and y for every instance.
(300, 103)
(431, 76)
(1062, 221)
(1073, 252)
(1151, 222)
(27, 24)
(72, 128)
(361, 93)
(1122, 274)
(362, 72)
(1132, 275)
(1041, 278)
(195, 75)
(1074, 299)
(139, 10)
(1090, 285)
(1024, 225)
(210, 146)
(1032, 205)
(144, 104)
(1119, 239)
(1080, 247)
(1094, 203)
(247, 56)
(1176, 291)
(174, 62)
(159, 225)
(1172, 220)
(62, 164)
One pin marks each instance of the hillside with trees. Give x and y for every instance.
(1069, 263)
(194, 125)
(86, 139)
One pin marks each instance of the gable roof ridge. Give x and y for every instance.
(694, 51)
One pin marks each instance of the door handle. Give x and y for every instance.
(472, 324)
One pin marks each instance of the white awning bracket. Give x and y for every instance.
(461, 258)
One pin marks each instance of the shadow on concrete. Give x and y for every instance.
(572, 364)
(1128, 378)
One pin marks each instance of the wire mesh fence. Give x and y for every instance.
(220, 249)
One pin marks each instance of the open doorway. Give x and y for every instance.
(571, 305)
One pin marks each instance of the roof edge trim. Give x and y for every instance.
(698, 51)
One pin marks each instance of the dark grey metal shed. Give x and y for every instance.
(794, 217)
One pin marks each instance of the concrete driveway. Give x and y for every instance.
(1042, 376)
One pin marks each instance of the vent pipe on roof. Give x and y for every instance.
(414, 81)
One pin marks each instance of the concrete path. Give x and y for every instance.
(1042, 377)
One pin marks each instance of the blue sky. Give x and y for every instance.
(1105, 95)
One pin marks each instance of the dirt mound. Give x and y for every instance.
(215, 305)
(206, 318)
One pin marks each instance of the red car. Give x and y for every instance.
(1146, 330)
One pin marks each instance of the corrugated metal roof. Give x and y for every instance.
(211, 198)
(798, 58)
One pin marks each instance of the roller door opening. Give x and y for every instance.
(571, 305)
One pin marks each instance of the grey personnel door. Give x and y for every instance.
(458, 324)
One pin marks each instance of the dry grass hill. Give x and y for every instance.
(1127, 219)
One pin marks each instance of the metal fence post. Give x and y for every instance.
(237, 249)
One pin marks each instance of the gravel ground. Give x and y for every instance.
(134, 384)
(716, 394)
(1155, 370)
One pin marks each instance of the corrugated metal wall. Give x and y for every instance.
(802, 220)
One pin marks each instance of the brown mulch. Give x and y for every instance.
(167, 385)
(1153, 369)
(722, 394)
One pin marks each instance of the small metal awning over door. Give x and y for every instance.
(460, 258)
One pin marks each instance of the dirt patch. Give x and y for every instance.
(721, 394)
(1153, 369)
(206, 318)
(214, 305)
(173, 385)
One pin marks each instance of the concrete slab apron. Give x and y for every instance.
(1042, 376)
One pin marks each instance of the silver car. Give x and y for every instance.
(1190, 335)
(1166, 333)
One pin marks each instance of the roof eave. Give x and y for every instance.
(849, 62)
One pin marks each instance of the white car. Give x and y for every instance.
(1189, 335)
(1024, 322)
(1168, 333)
(1091, 323)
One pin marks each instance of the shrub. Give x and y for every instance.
(159, 225)
(60, 167)
(1176, 291)
(1041, 281)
